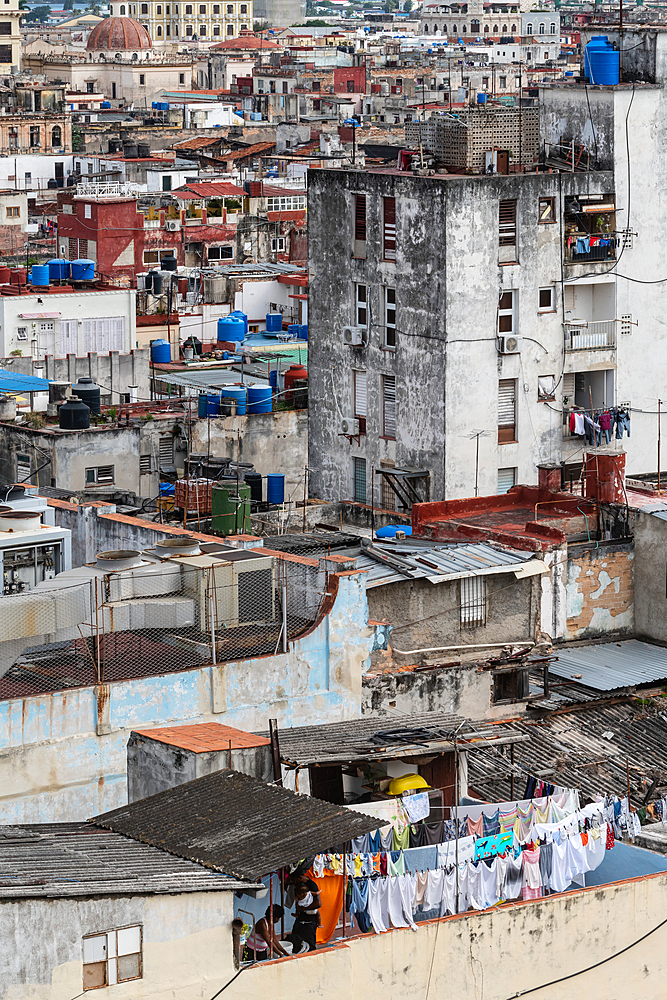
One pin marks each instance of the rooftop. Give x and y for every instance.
(230, 822)
(204, 737)
(61, 860)
(611, 666)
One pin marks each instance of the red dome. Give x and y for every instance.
(119, 33)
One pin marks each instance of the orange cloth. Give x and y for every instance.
(331, 892)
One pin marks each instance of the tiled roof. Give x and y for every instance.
(241, 154)
(204, 737)
(277, 192)
(236, 824)
(199, 142)
(212, 189)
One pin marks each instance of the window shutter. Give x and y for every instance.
(506, 410)
(389, 404)
(389, 228)
(506, 479)
(360, 218)
(507, 231)
(568, 387)
(166, 450)
(360, 393)
(68, 330)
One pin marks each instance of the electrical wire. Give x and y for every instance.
(596, 965)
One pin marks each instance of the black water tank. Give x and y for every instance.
(71, 181)
(130, 151)
(254, 481)
(193, 342)
(168, 263)
(89, 393)
(115, 145)
(52, 183)
(144, 150)
(74, 415)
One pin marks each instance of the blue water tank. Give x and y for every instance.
(154, 105)
(167, 489)
(275, 487)
(304, 332)
(243, 316)
(273, 379)
(213, 405)
(389, 530)
(82, 270)
(40, 274)
(105, 104)
(58, 269)
(294, 329)
(237, 392)
(260, 399)
(202, 403)
(160, 352)
(481, 98)
(601, 61)
(274, 322)
(231, 328)
(255, 116)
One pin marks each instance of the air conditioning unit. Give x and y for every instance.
(353, 336)
(349, 426)
(510, 345)
(173, 225)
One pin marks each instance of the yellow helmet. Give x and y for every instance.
(407, 783)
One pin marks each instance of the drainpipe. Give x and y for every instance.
(478, 645)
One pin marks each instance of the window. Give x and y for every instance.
(529, 28)
(188, 8)
(122, 9)
(507, 232)
(166, 451)
(145, 465)
(510, 686)
(542, 28)
(188, 29)
(506, 318)
(202, 8)
(87, 211)
(506, 480)
(389, 317)
(144, 8)
(216, 29)
(27, 180)
(181, 77)
(5, 27)
(230, 8)
(315, 85)
(389, 237)
(547, 210)
(546, 299)
(35, 138)
(244, 8)
(473, 601)
(220, 253)
(23, 468)
(361, 308)
(158, 9)
(13, 211)
(389, 406)
(216, 8)
(360, 398)
(359, 471)
(113, 91)
(113, 957)
(513, 29)
(546, 56)
(293, 203)
(506, 410)
(503, 82)
(142, 79)
(359, 225)
(103, 475)
(155, 256)
(546, 387)
(202, 30)
(387, 495)
(278, 244)
(230, 29)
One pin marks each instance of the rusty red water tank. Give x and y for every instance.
(18, 276)
(293, 373)
(5, 275)
(605, 477)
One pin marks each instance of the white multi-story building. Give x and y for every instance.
(173, 22)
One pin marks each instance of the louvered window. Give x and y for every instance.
(360, 399)
(360, 225)
(507, 232)
(389, 406)
(359, 484)
(389, 228)
(506, 410)
(144, 465)
(166, 450)
(390, 317)
(506, 480)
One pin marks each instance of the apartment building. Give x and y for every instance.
(10, 37)
(172, 22)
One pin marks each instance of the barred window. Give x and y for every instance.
(473, 601)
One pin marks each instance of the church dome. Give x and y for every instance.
(118, 34)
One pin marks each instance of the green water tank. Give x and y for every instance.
(230, 510)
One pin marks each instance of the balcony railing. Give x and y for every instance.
(582, 248)
(587, 335)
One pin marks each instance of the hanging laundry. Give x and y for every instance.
(513, 878)
(546, 865)
(476, 827)
(532, 878)
(420, 858)
(416, 806)
(359, 904)
(395, 863)
(420, 887)
(491, 824)
(583, 244)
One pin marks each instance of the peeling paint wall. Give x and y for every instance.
(459, 690)
(55, 766)
(650, 576)
(187, 944)
(600, 589)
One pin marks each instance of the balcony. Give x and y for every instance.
(581, 248)
(589, 335)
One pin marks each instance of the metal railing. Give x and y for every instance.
(584, 335)
(157, 618)
(575, 253)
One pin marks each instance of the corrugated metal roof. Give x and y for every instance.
(608, 666)
(15, 382)
(383, 738)
(77, 859)
(662, 514)
(437, 563)
(213, 378)
(589, 749)
(233, 823)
